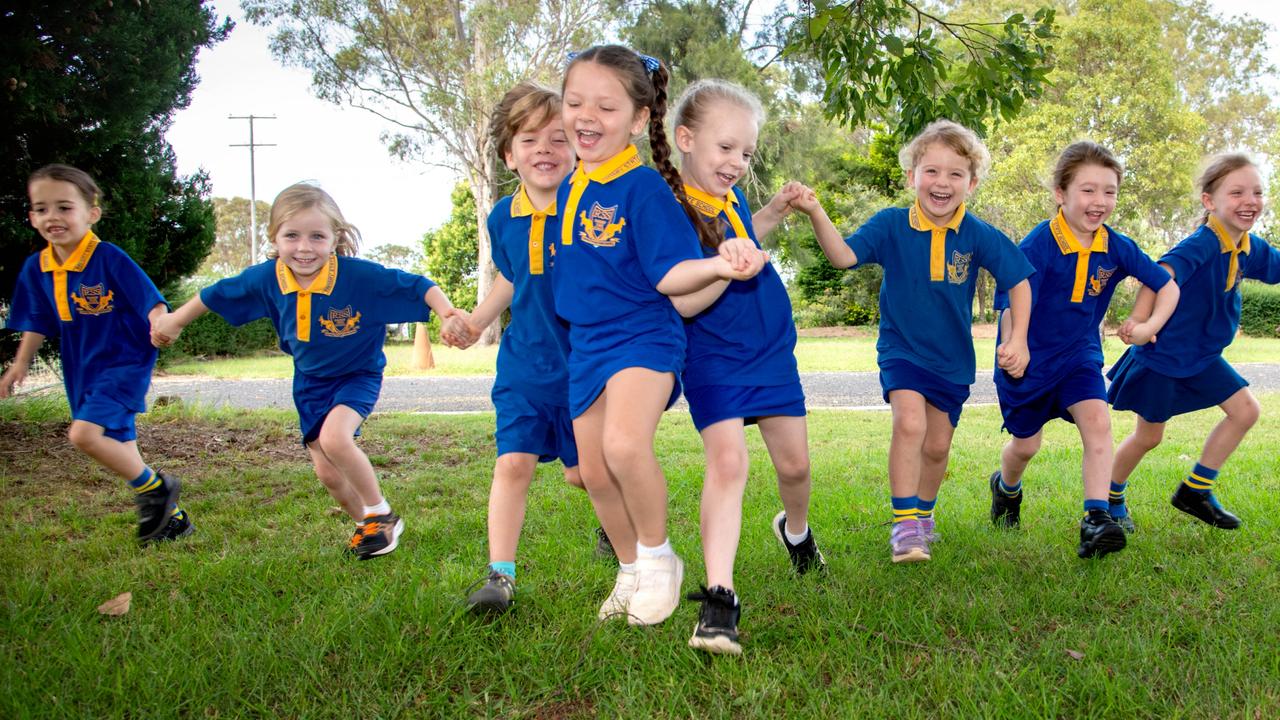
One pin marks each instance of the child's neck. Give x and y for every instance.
(540, 198)
(590, 167)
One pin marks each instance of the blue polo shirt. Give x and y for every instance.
(621, 232)
(533, 358)
(334, 327)
(1208, 312)
(1070, 293)
(96, 305)
(926, 298)
(747, 337)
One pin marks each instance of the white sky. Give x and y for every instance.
(390, 201)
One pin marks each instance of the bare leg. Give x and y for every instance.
(787, 439)
(1146, 436)
(1016, 456)
(1242, 413)
(601, 486)
(637, 397)
(508, 496)
(721, 511)
(1093, 420)
(337, 442)
(336, 483)
(934, 452)
(121, 458)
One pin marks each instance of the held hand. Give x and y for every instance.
(1140, 334)
(757, 259)
(805, 199)
(11, 379)
(164, 330)
(457, 331)
(1013, 357)
(738, 252)
(782, 203)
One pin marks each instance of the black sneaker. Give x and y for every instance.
(717, 628)
(1126, 522)
(1099, 535)
(1006, 511)
(604, 546)
(1202, 507)
(154, 506)
(379, 535)
(179, 526)
(804, 557)
(496, 596)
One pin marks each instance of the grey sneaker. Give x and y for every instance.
(908, 542)
(495, 597)
(604, 546)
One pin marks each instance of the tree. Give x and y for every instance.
(434, 70)
(401, 257)
(231, 248)
(96, 87)
(449, 254)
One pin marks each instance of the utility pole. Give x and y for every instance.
(253, 190)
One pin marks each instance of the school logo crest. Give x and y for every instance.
(1098, 282)
(958, 268)
(92, 300)
(598, 227)
(340, 322)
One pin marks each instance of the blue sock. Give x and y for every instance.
(1012, 491)
(924, 508)
(506, 568)
(147, 481)
(904, 508)
(1095, 505)
(1116, 500)
(1201, 479)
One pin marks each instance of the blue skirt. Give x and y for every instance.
(946, 396)
(598, 352)
(1157, 397)
(709, 404)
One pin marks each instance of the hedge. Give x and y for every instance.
(1260, 309)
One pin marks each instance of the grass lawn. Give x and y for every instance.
(814, 354)
(259, 614)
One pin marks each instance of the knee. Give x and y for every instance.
(1023, 449)
(514, 470)
(81, 436)
(573, 477)
(335, 444)
(1147, 439)
(622, 454)
(909, 426)
(793, 469)
(1248, 413)
(329, 476)
(727, 466)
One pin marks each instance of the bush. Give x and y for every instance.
(1122, 302)
(1260, 309)
(833, 309)
(209, 335)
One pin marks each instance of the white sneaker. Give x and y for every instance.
(620, 597)
(657, 589)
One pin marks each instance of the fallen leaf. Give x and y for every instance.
(116, 606)
(1075, 654)
(335, 512)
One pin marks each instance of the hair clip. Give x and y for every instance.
(650, 63)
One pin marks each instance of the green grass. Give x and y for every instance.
(814, 354)
(259, 614)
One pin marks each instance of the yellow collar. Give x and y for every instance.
(1229, 246)
(322, 284)
(522, 206)
(712, 206)
(938, 237)
(76, 262)
(612, 169)
(1068, 244)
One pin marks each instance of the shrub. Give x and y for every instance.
(1260, 309)
(209, 335)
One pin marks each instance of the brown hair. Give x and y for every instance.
(1081, 153)
(963, 141)
(527, 105)
(67, 174)
(303, 196)
(1219, 167)
(649, 90)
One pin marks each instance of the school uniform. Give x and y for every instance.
(334, 329)
(926, 298)
(621, 232)
(741, 350)
(531, 391)
(1071, 289)
(1184, 370)
(96, 305)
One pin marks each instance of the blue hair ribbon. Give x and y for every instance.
(651, 64)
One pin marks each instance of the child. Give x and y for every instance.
(1185, 370)
(931, 253)
(531, 392)
(330, 311)
(1078, 263)
(99, 304)
(741, 365)
(626, 244)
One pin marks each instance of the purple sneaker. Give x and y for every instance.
(909, 542)
(926, 527)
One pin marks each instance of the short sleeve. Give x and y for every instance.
(239, 300)
(136, 285)
(401, 295)
(866, 241)
(1264, 261)
(1187, 256)
(664, 236)
(1000, 257)
(29, 310)
(497, 248)
(1138, 265)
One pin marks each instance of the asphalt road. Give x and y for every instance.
(471, 394)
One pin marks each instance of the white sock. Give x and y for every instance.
(662, 550)
(626, 568)
(796, 539)
(381, 508)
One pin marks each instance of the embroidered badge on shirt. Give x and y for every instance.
(1098, 282)
(92, 301)
(958, 268)
(339, 323)
(598, 228)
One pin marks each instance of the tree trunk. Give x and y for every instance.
(422, 358)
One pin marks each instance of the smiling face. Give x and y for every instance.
(61, 214)
(599, 116)
(718, 153)
(304, 242)
(1237, 201)
(1089, 199)
(942, 180)
(541, 156)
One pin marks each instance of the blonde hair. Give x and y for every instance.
(527, 105)
(960, 139)
(304, 196)
(1218, 168)
(691, 108)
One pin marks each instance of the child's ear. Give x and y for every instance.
(510, 159)
(684, 139)
(1207, 201)
(1058, 196)
(95, 214)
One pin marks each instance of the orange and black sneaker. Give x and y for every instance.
(354, 543)
(378, 535)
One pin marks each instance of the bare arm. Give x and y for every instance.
(832, 243)
(691, 276)
(167, 326)
(778, 208)
(1013, 356)
(463, 330)
(695, 302)
(1143, 306)
(17, 372)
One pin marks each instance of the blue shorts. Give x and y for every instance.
(1025, 419)
(1157, 397)
(709, 404)
(946, 396)
(529, 425)
(598, 354)
(101, 407)
(315, 397)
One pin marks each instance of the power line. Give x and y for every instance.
(253, 190)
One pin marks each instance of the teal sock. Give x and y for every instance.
(147, 481)
(924, 508)
(506, 568)
(1116, 500)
